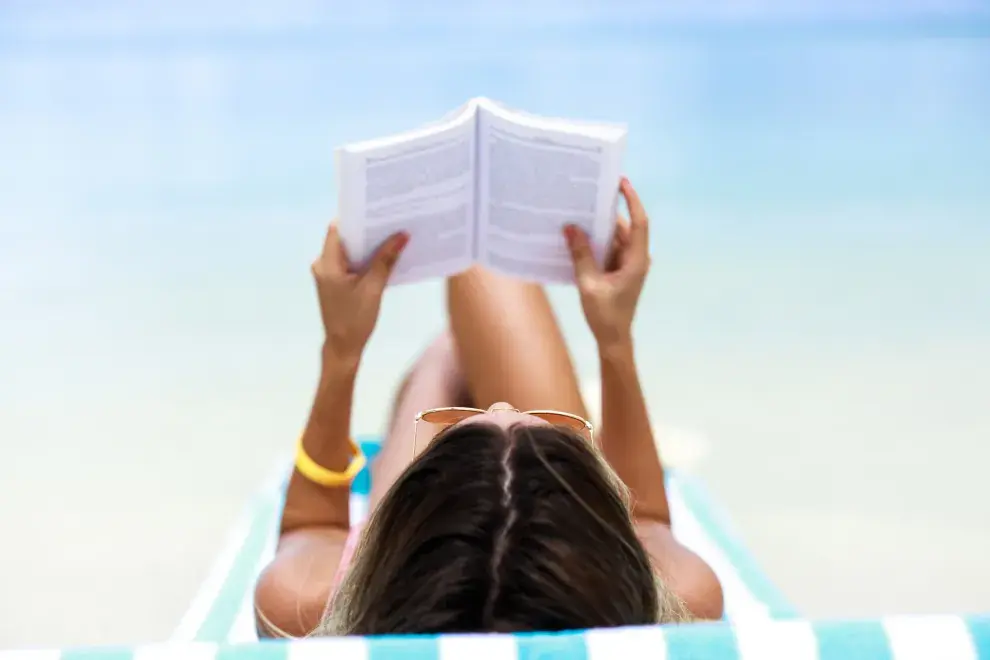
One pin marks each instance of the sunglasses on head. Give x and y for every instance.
(447, 417)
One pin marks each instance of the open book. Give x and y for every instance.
(486, 185)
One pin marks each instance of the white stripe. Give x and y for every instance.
(358, 508)
(337, 648)
(927, 637)
(243, 628)
(203, 601)
(215, 579)
(740, 603)
(175, 651)
(626, 643)
(778, 640)
(31, 654)
(477, 647)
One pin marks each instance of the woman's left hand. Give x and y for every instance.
(610, 295)
(349, 301)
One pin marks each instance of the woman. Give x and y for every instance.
(505, 521)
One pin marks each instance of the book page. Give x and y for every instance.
(421, 183)
(535, 177)
(609, 132)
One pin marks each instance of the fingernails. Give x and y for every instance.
(570, 233)
(399, 242)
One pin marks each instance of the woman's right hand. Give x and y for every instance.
(350, 301)
(609, 295)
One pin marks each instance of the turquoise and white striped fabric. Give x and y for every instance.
(894, 638)
(759, 622)
(223, 612)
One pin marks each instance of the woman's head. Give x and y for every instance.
(502, 524)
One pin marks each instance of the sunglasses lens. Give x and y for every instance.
(448, 416)
(558, 419)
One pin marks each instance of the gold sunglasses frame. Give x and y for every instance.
(585, 425)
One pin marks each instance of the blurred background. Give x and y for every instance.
(815, 339)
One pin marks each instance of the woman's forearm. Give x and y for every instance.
(627, 436)
(327, 441)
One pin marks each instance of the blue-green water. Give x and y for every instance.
(817, 327)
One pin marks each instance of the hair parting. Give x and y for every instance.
(501, 530)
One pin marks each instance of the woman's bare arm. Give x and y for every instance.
(629, 446)
(626, 434)
(293, 590)
(327, 440)
(609, 297)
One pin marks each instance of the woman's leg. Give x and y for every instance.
(435, 381)
(509, 344)
(504, 345)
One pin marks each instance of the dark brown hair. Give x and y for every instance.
(500, 530)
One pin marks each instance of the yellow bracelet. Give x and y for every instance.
(318, 474)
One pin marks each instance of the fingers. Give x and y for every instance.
(620, 245)
(333, 259)
(581, 254)
(639, 238)
(621, 237)
(383, 262)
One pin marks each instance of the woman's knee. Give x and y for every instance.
(436, 376)
(434, 381)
